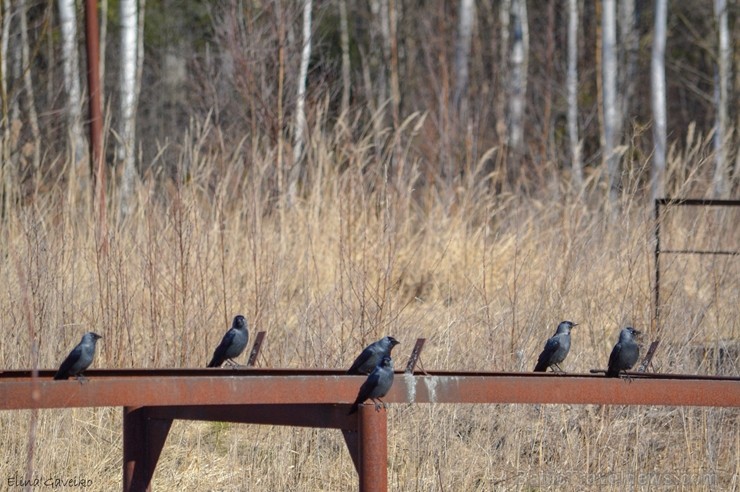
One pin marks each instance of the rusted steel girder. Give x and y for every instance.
(145, 431)
(143, 440)
(249, 386)
(152, 399)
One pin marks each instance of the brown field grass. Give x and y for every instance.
(484, 276)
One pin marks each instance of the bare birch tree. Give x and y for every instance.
(392, 61)
(722, 81)
(572, 85)
(611, 110)
(518, 83)
(4, 123)
(28, 85)
(5, 184)
(300, 112)
(127, 109)
(70, 64)
(627, 56)
(344, 40)
(466, 16)
(505, 20)
(658, 96)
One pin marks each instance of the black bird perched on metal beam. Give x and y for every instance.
(624, 354)
(79, 358)
(372, 355)
(556, 348)
(232, 344)
(376, 386)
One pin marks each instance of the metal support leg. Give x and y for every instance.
(143, 439)
(373, 437)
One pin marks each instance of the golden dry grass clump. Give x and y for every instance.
(484, 276)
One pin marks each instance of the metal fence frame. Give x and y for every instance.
(666, 202)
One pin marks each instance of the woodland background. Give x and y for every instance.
(469, 172)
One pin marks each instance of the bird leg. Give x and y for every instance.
(560, 370)
(233, 364)
(378, 405)
(81, 378)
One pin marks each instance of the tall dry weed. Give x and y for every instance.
(377, 243)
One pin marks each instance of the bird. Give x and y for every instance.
(624, 354)
(232, 344)
(376, 385)
(372, 355)
(79, 358)
(556, 348)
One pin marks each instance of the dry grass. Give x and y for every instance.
(484, 277)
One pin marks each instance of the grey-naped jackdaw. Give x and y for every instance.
(232, 344)
(376, 386)
(371, 356)
(624, 354)
(79, 358)
(556, 348)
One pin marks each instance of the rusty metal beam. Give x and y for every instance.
(249, 386)
(326, 416)
(27, 374)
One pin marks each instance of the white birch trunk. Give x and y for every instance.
(722, 81)
(628, 46)
(572, 85)
(300, 112)
(502, 128)
(4, 40)
(611, 111)
(70, 64)
(127, 110)
(344, 39)
(658, 96)
(28, 86)
(518, 85)
(466, 17)
(139, 55)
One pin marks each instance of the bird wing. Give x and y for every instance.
(613, 367)
(367, 387)
(552, 344)
(220, 352)
(360, 360)
(72, 358)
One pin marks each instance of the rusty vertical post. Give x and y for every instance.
(256, 349)
(92, 44)
(415, 354)
(656, 292)
(373, 434)
(143, 440)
